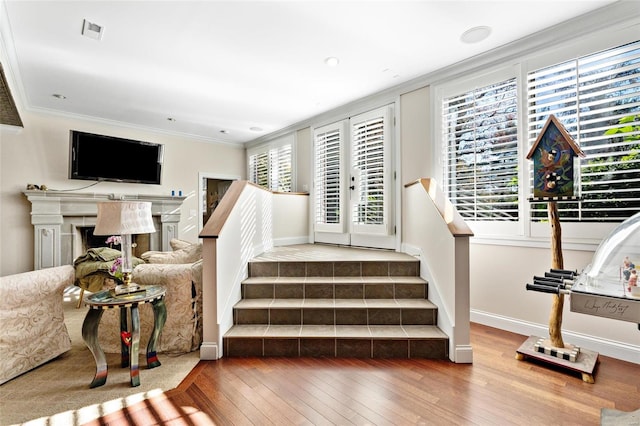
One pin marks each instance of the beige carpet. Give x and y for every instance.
(610, 417)
(57, 393)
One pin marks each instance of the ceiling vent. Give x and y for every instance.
(92, 30)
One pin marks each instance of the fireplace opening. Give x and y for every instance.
(140, 242)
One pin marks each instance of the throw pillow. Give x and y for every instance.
(177, 244)
(190, 254)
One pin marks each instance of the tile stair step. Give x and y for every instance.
(338, 287)
(386, 279)
(336, 311)
(328, 268)
(334, 303)
(337, 331)
(336, 341)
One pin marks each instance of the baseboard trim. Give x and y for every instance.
(289, 241)
(610, 348)
(464, 354)
(209, 351)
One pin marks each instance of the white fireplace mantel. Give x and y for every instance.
(55, 215)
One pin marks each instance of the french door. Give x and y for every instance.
(353, 185)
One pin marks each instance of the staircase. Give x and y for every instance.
(335, 302)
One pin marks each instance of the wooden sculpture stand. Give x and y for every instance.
(554, 350)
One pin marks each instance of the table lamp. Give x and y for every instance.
(125, 218)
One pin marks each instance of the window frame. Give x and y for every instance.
(466, 84)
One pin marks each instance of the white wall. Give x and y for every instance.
(39, 154)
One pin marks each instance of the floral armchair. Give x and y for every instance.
(32, 329)
(180, 271)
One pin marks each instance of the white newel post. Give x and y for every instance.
(55, 215)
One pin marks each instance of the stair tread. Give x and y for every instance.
(337, 331)
(336, 280)
(334, 303)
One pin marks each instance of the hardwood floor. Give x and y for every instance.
(495, 390)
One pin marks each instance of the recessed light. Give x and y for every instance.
(475, 34)
(332, 61)
(255, 129)
(59, 96)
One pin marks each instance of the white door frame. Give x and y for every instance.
(392, 239)
(202, 191)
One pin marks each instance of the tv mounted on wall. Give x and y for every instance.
(98, 157)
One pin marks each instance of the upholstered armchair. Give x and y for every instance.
(180, 271)
(32, 329)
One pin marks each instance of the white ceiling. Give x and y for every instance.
(237, 65)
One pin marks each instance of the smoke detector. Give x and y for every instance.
(92, 30)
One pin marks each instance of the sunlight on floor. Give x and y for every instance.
(93, 412)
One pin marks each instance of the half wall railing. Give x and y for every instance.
(248, 221)
(434, 231)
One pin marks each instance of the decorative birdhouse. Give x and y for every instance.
(555, 165)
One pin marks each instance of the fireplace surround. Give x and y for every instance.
(59, 216)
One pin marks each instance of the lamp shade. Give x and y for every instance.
(124, 217)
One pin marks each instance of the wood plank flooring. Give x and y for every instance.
(495, 390)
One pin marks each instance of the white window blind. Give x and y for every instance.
(280, 174)
(271, 167)
(328, 174)
(259, 169)
(368, 152)
(597, 99)
(480, 149)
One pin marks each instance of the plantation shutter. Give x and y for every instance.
(481, 152)
(328, 178)
(597, 99)
(270, 165)
(259, 169)
(369, 136)
(280, 161)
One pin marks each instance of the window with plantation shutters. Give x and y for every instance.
(270, 166)
(597, 99)
(480, 149)
(328, 177)
(368, 151)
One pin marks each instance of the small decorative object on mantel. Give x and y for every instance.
(556, 178)
(32, 187)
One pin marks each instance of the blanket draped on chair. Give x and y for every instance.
(93, 267)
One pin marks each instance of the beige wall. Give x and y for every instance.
(499, 298)
(303, 160)
(415, 125)
(39, 154)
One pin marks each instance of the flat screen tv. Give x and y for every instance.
(107, 158)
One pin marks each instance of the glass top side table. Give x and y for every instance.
(129, 343)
